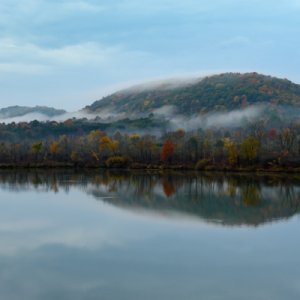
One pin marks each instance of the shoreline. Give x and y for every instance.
(216, 169)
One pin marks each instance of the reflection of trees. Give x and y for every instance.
(232, 199)
(168, 186)
(232, 188)
(250, 194)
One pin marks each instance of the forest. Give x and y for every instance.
(253, 148)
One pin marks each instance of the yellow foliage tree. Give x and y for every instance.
(232, 151)
(106, 143)
(249, 148)
(74, 156)
(134, 138)
(95, 135)
(54, 148)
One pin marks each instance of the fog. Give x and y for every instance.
(168, 113)
(230, 119)
(44, 118)
(164, 84)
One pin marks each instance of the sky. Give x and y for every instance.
(67, 54)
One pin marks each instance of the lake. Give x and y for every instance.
(144, 235)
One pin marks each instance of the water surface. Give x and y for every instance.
(137, 235)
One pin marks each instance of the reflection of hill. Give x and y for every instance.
(230, 200)
(224, 200)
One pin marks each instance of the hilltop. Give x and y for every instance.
(224, 92)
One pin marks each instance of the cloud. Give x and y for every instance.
(167, 111)
(236, 41)
(82, 6)
(66, 73)
(40, 11)
(164, 84)
(17, 52)
(158, 6)
(233, 118)
(64, 51)
(43, 118)
(22, 68)
(294, 3)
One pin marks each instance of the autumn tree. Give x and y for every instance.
(232, 151)
(53, 148)
(167, 151)
(74, 157)
(134, 138)
(64, 148)
(249, 148)
(3, 152)
(134, 149)
(218, 152)
(192, 147)
(272, 134)
(207, 143)
(287, 139)
(108, 144)
(36, 148)
(180, 133)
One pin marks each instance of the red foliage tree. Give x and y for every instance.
(167, 151)
(272, 133)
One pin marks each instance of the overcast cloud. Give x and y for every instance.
(69, 53)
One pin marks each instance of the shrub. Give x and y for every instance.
(117, 162)
(202, 163)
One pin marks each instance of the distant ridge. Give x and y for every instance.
(19, 111)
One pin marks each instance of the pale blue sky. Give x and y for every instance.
(69, 53)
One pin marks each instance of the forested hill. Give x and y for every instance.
(222, 92)
(18, 111)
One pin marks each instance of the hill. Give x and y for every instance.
(224, 92)
(19, 111)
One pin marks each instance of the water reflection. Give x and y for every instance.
(67, 235)
(236, 199)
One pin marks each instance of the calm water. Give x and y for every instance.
(113, 235)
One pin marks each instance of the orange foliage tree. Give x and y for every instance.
(167, 151)
(54, 148)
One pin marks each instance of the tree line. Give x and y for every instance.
(219, 148)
